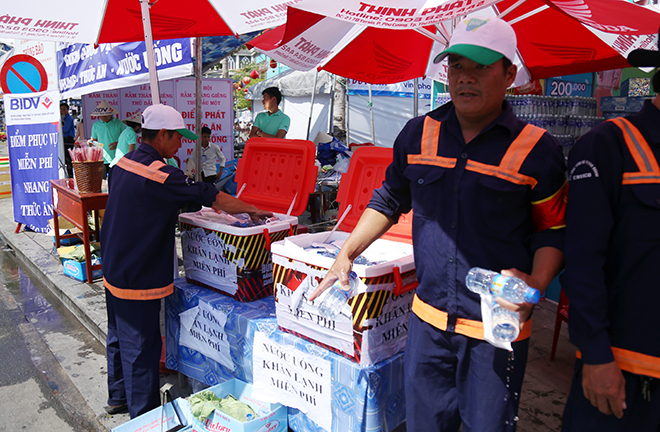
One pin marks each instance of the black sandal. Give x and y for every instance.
(118, 409)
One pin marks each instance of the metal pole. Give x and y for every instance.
(331, 122)
(416, 97)
(151, 59)
(371, 115)
(198, 108)
(311, 107)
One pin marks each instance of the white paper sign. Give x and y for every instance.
(288, 376)
(203, 329)
(205, 261)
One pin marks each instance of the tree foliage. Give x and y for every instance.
(240, 102)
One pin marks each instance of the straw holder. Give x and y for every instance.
(89, 176)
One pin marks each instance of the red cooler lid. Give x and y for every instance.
(274, 171)
(366, 173)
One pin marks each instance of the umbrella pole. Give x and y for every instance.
(331, 128)
(198, 108)
(347, 116)
(371, 116)
(415, 97)
(149, 45)
(311, 107)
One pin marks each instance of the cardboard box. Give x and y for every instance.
(160, 419)
(275, 419)
(233, 260)
(378, 325)
(78, 270)
(636, 103)
(615, 114)
(613, 103)
(363, 398)
(636, 87)
(278, 175)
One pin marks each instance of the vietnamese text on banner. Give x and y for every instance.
(283, 374)
(32, 134)
(203, 329)
(85, 69)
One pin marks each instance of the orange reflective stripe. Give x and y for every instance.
(429, 314)
(440, 161)
(495, 171)
(430, 137)
(640, 178)
(638, 147)
(139, 294)
(520, 148)
(466, 327)
(429, 147)
(151, 172)
(634, 362)
(637, 363)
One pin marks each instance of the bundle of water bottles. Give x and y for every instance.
(567, 117)
(505, 323)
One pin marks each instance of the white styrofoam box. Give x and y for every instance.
(234, 260)
(378, 325)
(275, 420)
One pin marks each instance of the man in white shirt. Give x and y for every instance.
(210, 152)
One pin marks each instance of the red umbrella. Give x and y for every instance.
(555, 37)
(106, 21)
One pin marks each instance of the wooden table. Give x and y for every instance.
(73, 206)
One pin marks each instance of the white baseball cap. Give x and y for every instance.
(484, 40)
(159, 116)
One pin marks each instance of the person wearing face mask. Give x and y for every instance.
(272, 123)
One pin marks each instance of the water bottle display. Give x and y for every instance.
(506, 324)
(337, 296)
(567, 117)
(482, 281)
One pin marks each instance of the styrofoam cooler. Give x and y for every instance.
(378, 325)
(276, 175)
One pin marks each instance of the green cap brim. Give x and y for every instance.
(475, 53)
(188, 134)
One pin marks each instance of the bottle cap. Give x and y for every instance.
(532, 295)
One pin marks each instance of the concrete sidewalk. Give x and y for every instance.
(546, 383)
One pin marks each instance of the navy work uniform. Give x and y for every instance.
(612, 255)
(490, 203)
(137, 247)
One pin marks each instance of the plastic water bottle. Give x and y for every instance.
(337, 297)
(506, 324)
(482, 281)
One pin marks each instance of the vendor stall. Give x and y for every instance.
(330, 379)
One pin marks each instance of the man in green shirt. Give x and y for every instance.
(272, 123)
(106, 131)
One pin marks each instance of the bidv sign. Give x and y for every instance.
(30, 103)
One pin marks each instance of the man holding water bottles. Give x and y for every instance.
(486, 191)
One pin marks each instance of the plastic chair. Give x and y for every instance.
(562, 315)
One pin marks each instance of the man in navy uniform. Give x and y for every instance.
(137, 244)
(611, 279)
(486, 190)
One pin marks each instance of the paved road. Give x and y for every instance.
(36, 392)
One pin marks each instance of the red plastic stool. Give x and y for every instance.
(562, 315)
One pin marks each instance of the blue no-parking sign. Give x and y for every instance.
(22, 73)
